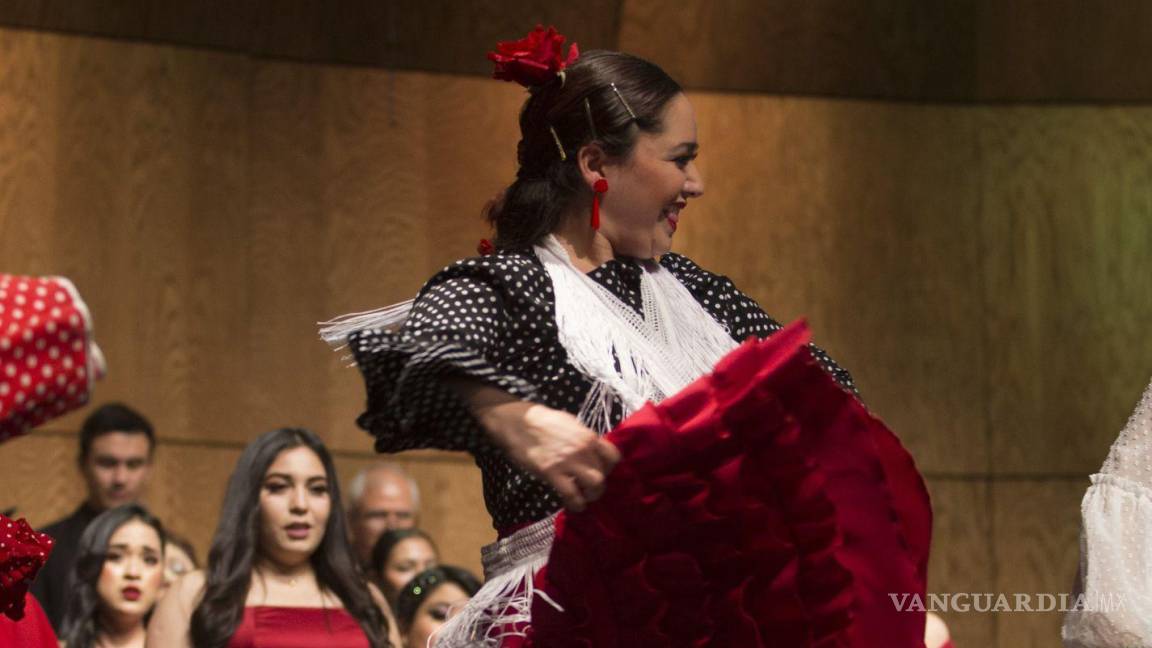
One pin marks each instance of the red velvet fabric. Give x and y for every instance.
(23, 551)
(761, 506)
(32, 631)
(287, 627)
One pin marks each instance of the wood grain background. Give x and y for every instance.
(982, 268)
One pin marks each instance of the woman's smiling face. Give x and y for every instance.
(648, 189)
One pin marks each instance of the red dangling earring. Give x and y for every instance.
(599, 187)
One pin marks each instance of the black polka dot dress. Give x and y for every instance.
(492, 319)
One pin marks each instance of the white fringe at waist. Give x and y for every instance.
(503, 606)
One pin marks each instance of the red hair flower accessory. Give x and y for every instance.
(485, 247)
(533, 60)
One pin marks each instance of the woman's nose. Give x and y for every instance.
(299, 500)
(694, 185)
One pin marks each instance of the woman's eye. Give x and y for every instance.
(275, 487)
(440, 612)
(113, 557)
(319, 490)
(151, 560)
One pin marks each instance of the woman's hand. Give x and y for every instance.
(549, 443)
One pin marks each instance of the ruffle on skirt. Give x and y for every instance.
(761, 506)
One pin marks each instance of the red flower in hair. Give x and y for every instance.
(533, 60)
(485, 247)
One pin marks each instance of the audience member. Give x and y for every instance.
(118, 575)
(115, 459)
(179, 558)
(280, 570)
(430, 599)
(398, 556)
(380, 497)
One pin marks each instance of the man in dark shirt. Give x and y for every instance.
(115, 459)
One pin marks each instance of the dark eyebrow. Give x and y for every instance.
(288, 477)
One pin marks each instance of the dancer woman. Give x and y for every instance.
(525, 356)
(280, 570)
(118, 576)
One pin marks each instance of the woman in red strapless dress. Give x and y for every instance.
(280, 571)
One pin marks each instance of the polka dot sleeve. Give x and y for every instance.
(739, 313)
(455, 327)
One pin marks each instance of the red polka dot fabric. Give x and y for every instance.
(23, 551)
(45, 335)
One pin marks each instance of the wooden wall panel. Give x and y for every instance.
(1063, 49)
(434, 35)
(40, 479)
(855, 49)
(285, 224)
(28, 123)
(463, 178)
(1067, 238)
(1026, 50)
(962, 554)
(1036, 539)
(376, 192)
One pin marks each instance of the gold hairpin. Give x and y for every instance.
(588, 114)
(624, 101)
(559, 146)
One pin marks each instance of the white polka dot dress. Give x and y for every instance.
(492, 319)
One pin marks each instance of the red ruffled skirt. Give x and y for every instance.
(761, 506)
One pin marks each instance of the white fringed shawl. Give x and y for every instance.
(631, 357)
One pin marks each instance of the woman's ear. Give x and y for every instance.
(592, 160)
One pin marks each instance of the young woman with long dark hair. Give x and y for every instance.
(117, 578)
(280, 569)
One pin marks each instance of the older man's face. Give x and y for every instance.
(387, 504)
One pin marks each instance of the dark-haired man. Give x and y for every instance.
(115, 459)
